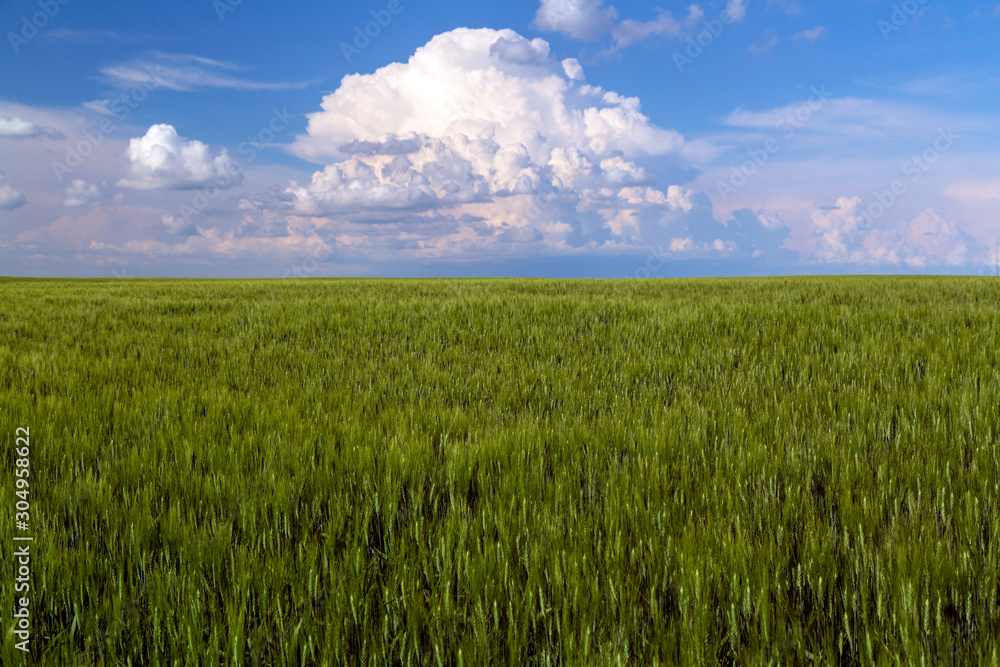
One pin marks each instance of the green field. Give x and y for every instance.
(476, 472)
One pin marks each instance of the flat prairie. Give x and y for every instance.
(507, 471)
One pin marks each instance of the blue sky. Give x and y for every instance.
(577, 138)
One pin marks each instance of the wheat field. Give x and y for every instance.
(783, 471)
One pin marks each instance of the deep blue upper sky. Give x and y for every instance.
(865, 132)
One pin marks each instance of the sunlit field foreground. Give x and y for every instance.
(476, 472)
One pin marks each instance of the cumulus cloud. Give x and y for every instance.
(590, 20)
(16, 128)
(849, 234)
(80, 193)
(485, 138)
(177, 226)
(582, 19)
(163, 159)
(679, 199)
(9, 197)
(694, 233)
(469, 82)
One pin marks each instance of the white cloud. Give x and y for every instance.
(177, 226)
(573, 69)
(485, 138)
(737, 9)
(461, 84)
(162, 159)
(582, 19)
(978, 191)
(180, 71)
(590, 20)
(630, 31)
(80, 193)
(16, 128)
(9, 197)
(679, 199)
(848, 234)
(853, 117)
(811, 35)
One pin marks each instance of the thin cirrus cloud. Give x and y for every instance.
(186, 72)
(95, 36)
(853, 117)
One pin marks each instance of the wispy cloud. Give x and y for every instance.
(186, 72)
(859, 118)
(96, 36)
(811, 35)
(767, 42)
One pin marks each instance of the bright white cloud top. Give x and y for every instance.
(485, 127)
(163, 159)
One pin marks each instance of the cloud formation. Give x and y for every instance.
(16, 128)
(812, 34)
(81, 193)
(590, 20)
(186, 72)
(847, 235)
(9, 197)
(487, 140)
(164, 160)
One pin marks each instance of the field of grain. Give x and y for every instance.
(525, 472)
